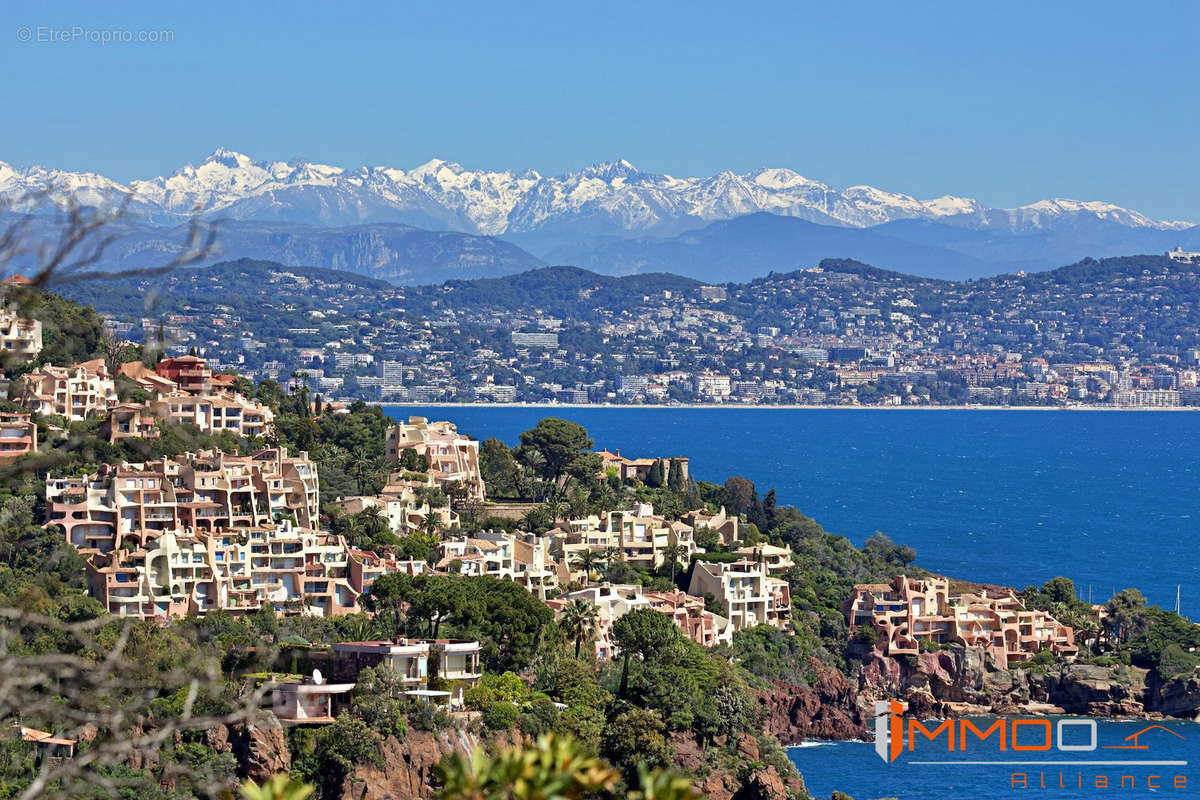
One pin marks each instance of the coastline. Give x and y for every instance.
(785, 407)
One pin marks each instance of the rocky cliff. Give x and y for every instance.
(965, 680)
(408, 766)
(826, 709)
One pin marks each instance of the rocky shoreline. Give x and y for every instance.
(964, 681)
(961, 681)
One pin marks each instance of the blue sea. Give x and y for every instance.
(1109, 499)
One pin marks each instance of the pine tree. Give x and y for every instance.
(654, 478)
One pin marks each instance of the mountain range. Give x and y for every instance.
(439, 220)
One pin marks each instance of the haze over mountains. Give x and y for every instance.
(440, 221)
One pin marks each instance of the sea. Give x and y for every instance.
(1110, 499)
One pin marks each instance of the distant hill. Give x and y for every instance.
(567, 292)
(1036, 250)
(739, 249)
(245, 284)
(397, 253)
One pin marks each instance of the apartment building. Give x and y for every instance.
(18, 436)
(198, 492)
(639, 536)
(129, 420)
(240, 570)
(533, 567)
(689, 615)
(190, 373)
(750, 595)
(76, 392)
(712, 386)
(613, 601)
(777, 560)
(451, 456)
(908, 611)
(399, 504)
(367, 566)
(146, 378)
(725, 525)
(20, 337)
(214, 413)
(475, 557)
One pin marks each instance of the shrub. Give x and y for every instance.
(538, 717)
(500, 715)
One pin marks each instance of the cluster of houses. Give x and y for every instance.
(209, 530)
(182, 390)
(937, 610)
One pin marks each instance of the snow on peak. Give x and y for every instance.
(614, 195)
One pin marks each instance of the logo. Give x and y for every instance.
(889, 729)
(1062, 742)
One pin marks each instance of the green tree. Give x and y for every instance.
(340, 747)
(643, 633)
(656, 476)
(676, 482)
(673, 554)
(578, 621)
(587, 561)
(636, 740)
(498, 468)
(1126, 615)
(556, 449)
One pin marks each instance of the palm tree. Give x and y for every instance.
(578, 621)
(431, 525)
(586, 560)
(375, 520)
(673, 553)
(610, 554)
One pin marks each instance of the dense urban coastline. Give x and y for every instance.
(1116, 333)
(373, 596)
(791, 407)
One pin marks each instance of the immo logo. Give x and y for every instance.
(889, 729)
(1068, 741)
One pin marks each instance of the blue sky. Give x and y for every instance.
(1007, 102)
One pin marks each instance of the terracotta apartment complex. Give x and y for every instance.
(937, 610)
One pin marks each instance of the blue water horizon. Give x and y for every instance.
(1108, 499)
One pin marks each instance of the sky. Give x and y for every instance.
(1006, 102)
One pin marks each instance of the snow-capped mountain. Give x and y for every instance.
(604, 199)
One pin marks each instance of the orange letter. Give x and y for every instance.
(948, 726)
(1043, 723)
(1018, 776)
(963, 725)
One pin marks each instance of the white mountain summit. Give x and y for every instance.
(608, 198)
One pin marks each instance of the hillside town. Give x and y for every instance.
(1121, 333)
(363, 578)
(212, 530)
